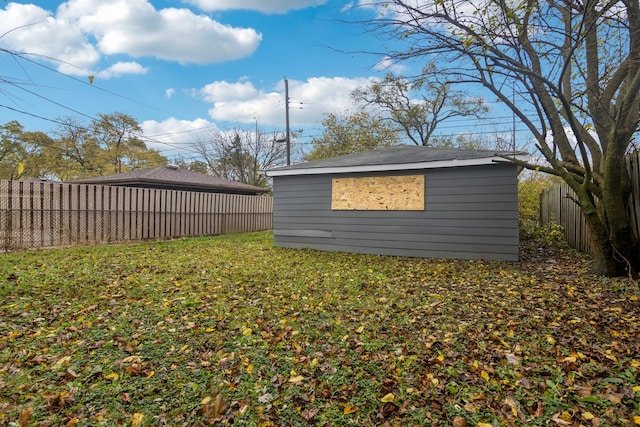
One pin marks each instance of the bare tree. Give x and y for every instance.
(570, 72)
(419, 105)
(242, 155)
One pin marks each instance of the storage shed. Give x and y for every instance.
(404, 200)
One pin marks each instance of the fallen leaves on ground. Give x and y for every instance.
(231, 329)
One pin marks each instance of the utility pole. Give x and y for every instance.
(256, 119)
(286, 109)
(254, 174)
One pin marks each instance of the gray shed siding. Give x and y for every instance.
(470, 213)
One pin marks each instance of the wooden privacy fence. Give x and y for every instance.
(558, 204)
(48, 214)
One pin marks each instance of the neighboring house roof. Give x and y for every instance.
(399, 157)
(173, 178)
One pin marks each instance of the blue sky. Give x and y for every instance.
(185, 68)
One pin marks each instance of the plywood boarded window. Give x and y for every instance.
(382, 193)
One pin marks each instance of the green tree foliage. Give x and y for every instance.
(352, 133)
(20, 152)
(75, 152)
(530, 188)
(118, 135)
(570, 72)
(109, 144)
(191, 165)
(420, 105)
(241, 155)
(12, 150)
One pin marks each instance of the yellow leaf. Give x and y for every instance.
(350, 409)
(137, 418)
(247, 332)
(183, 348)
(484, 375)
(510, 401)
(150, 374)
(205, 400)
(250, 369)
(636, 420)
(440, 357)
(588, 416)
(360, 330)
(389, 397)
(484, 425)
(111, 377)
(91, 79)
(73, 421)
(636, 388)
(209, 330)
(296, 379)
(550, 340)
(61, 362)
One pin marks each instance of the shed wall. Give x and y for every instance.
(470, 213)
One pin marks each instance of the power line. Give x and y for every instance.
(25, 56)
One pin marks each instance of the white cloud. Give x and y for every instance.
(265, 6)
(218, 92)
(81, 31)
(121, 68)
(169, 92)
(174, 135)
(241, 102)
(31, 29)
(136, 28)
(309, 100)
(387, 64)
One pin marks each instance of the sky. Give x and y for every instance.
(185, 68)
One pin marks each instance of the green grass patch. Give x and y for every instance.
(232, 330)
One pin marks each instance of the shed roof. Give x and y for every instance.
(399, 157)
(172, 177)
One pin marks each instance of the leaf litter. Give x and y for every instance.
(232, 330)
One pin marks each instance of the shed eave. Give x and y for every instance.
(396, 166)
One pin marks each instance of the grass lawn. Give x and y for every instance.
(231, 330)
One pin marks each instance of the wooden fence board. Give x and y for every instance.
(45, 214)
(558, 204)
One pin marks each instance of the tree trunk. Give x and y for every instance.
(617, 250)
(616, 191)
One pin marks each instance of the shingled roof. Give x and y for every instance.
(173, 178)
(399, 157)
